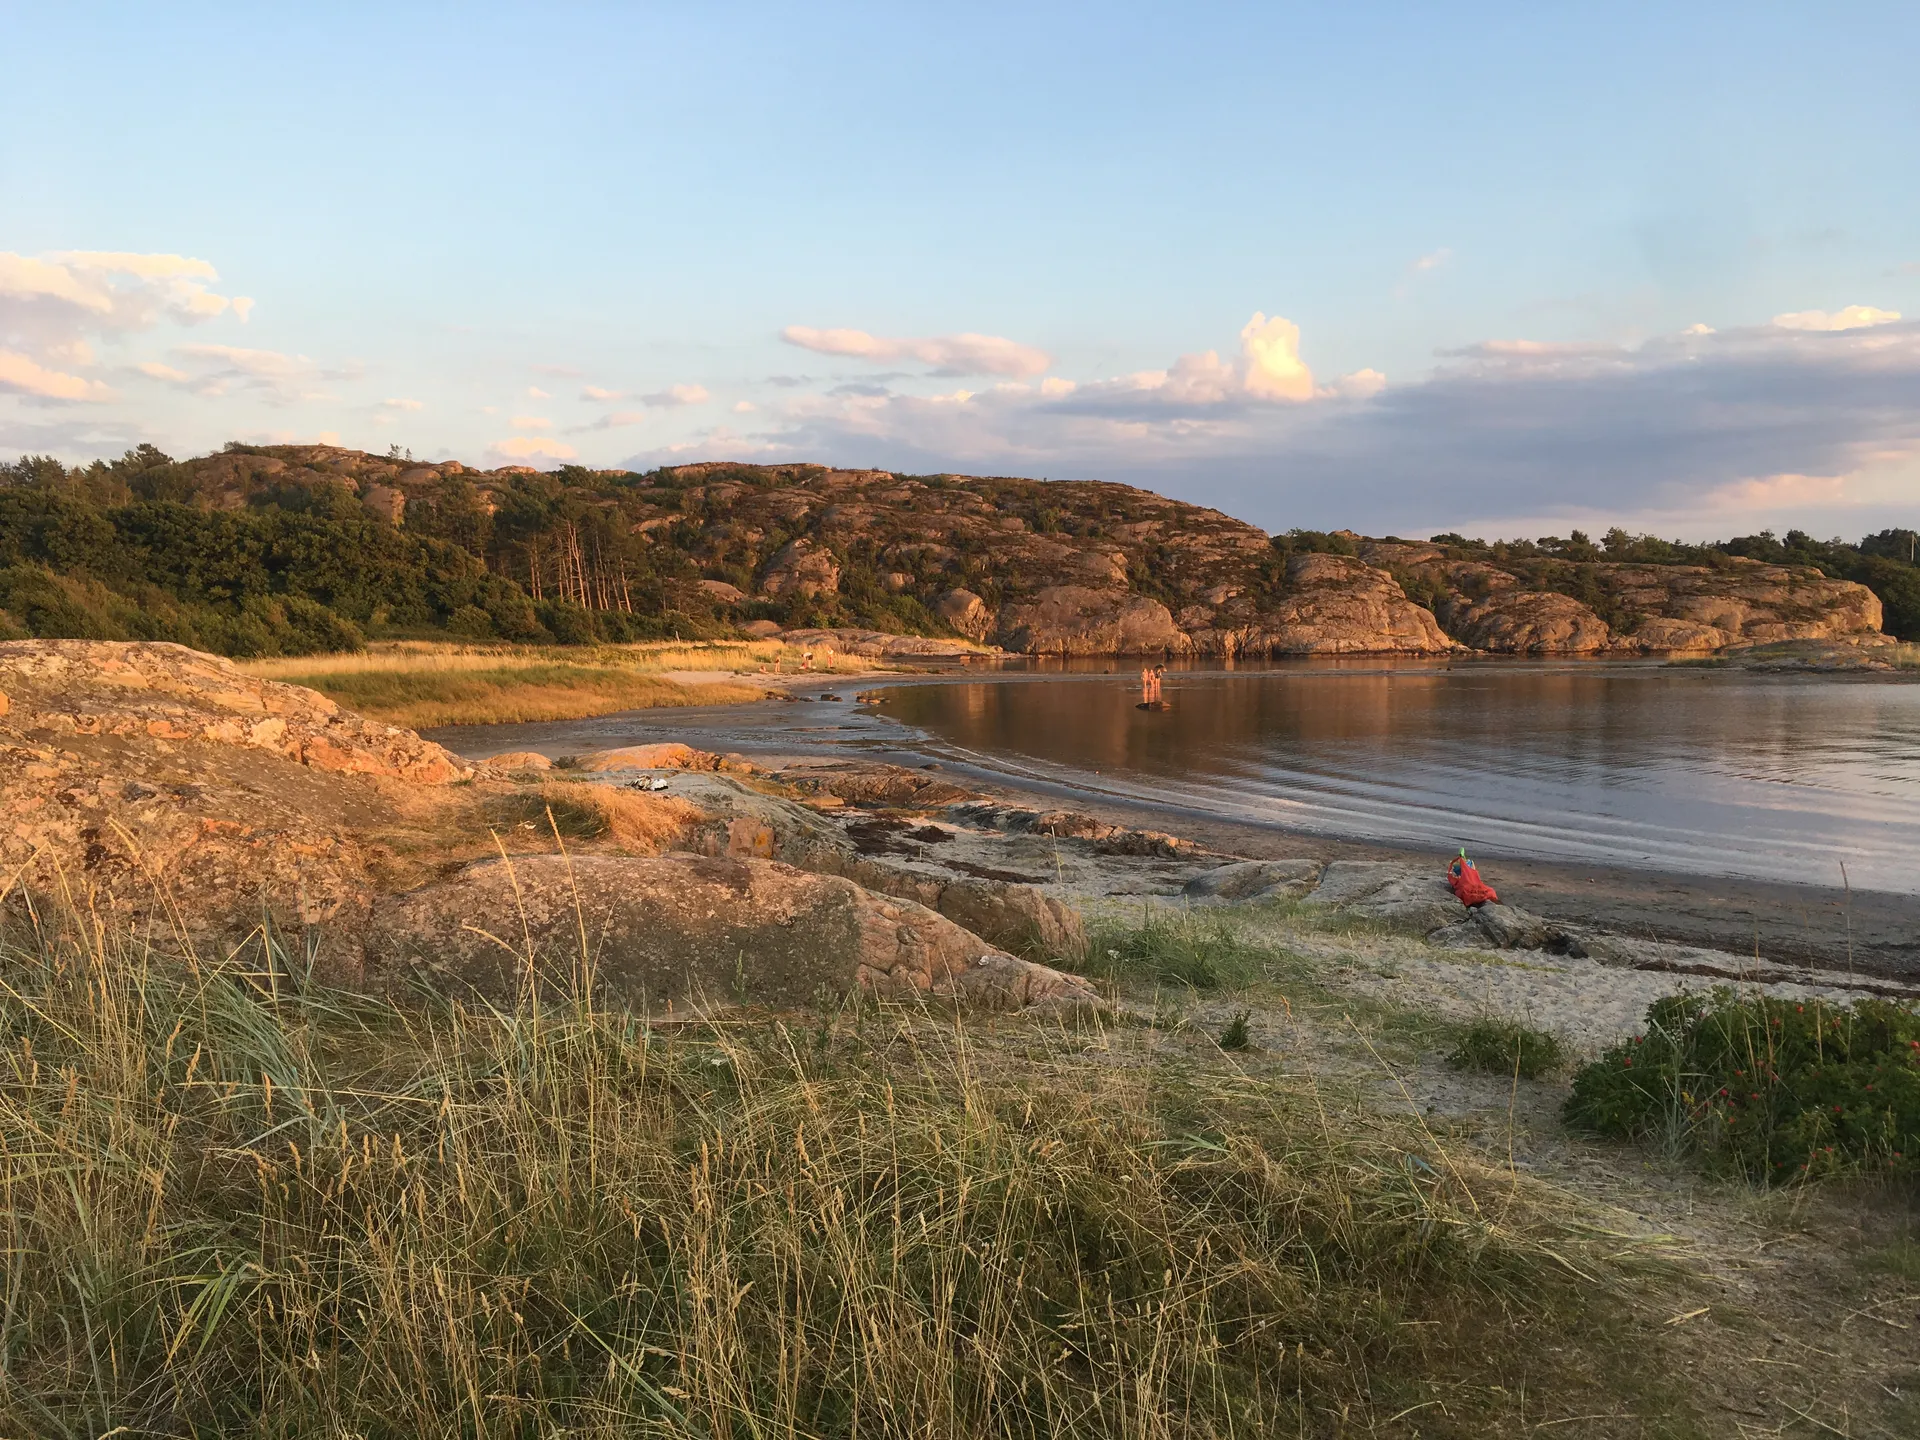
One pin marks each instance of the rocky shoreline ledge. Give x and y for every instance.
(169, 791)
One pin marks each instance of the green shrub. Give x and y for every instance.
(1507, 1047)
(470, 622)
(1774, 1089)
(1239, 1033)
(1175, 949)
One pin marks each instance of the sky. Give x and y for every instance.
(1497, 268)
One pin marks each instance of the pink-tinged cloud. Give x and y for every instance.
(675, 396)
(966, 354)
(1851, 317)
(598, 393)
(519, 449)
(23, 375)
(154, 370)
(531, 422)
(145, 267)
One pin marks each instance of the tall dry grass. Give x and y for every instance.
(421, 684)
(240, 1205)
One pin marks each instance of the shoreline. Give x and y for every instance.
(1864, 931)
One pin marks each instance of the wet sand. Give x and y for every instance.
(1868, 932)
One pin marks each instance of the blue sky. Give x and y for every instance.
(1396, 267)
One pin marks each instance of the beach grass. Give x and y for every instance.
(1496, 1045)
(240, 1204)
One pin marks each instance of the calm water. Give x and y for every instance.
(1709, 772)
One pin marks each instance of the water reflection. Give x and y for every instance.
(1704, 771)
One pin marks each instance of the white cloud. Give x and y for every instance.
(676, 395)
(154, 370)
(1360, 385)
(966, 354)
(519, 449)
(50, 306)
(398, 404)
(744, 407)
(1274, 368)
(531, 422)
(598, 393)
(615, 420)
(73, 292)
(221, 369)
(1709, 429)
(1433, 260)
(1852, 317)
(242, 307)
(534, 392)
(23, 375)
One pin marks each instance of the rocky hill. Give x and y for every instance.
(1034, 567)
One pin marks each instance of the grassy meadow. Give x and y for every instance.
(238, 1204)
(421, 684)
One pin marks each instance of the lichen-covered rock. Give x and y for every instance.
(1338, 605)
(801, 568)
(1660, 634)
(518, 760)
(685, 935)
(1381, 890)
(879, 644)
(1255, 880)
(666, 755)
(965, 612)
(1530, 622)
(1082, 620)
(1019, 918)
(159, 691)
(154, 782)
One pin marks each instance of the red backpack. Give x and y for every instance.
(1467, 886)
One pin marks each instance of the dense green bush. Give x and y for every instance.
(36, 602)
(1775, 1089)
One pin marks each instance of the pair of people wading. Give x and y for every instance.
(1150, 686)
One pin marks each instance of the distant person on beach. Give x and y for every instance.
(1150, 685)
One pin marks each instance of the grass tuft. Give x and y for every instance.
(1175, 947)
(1507, 1047)
(1238, 1034)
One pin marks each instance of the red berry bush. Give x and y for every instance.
(1773, 1089)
